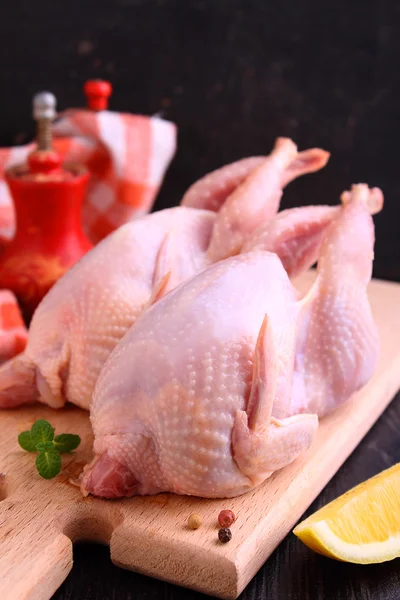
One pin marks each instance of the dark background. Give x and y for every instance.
(234, 75)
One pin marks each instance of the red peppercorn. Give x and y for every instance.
(226, 518)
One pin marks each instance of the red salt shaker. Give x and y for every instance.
(48, 197)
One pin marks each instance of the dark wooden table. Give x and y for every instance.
(292, 573)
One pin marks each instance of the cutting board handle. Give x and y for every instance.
(35, 560)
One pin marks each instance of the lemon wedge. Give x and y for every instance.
(362, 526)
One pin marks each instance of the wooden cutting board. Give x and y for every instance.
(39, 520)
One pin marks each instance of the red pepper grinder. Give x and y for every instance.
(97, 92)
(48, 198)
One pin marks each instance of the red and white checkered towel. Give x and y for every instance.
(13, 333)
(127, 156)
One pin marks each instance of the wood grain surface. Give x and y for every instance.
(38, 519)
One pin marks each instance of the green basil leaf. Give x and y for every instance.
(48, 464)
(26, 442)
(66, 442)
(42, 431)
(45, 446)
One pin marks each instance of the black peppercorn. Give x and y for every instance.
(224, 535)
